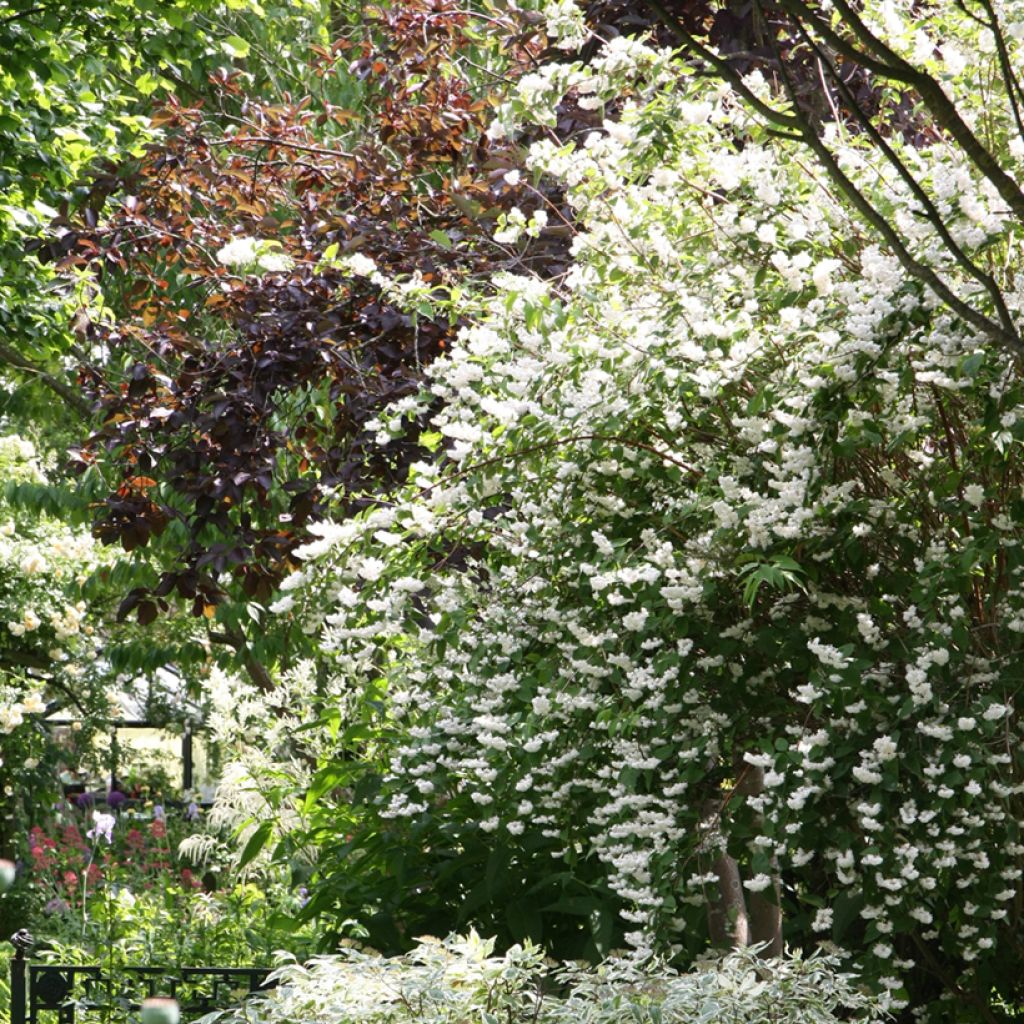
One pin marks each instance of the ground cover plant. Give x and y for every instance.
(459, 980)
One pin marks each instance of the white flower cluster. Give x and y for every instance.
(254, 256)
(13, 712)
(565, 24)
(46, 629)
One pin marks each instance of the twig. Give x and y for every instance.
(73, 398)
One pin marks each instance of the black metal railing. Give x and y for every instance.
(42, 993)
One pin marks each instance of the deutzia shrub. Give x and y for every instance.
(725, 550)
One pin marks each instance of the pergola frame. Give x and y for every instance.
(187, 762)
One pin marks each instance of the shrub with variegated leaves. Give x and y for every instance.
(460, 981)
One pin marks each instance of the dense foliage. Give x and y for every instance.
(244, 359)
(77, 82)
(573, 454)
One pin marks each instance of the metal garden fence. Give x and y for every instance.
(46, 993)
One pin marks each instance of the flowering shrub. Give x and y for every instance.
(49, 641)
(61, 653)
(458, 981)
(721, 571)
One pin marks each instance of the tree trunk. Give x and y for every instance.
(765, 907)
(728, 922)
(766, 920)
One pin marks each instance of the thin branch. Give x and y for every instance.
(73, 398)
(922, 272)
(951, 983)
(268, 140)
(235, 639)
(899, 68)
(722, 66)
(22, 14)
(1013, 89)
(797, 9)
(931, 211)
(935, 98)
(69, 693)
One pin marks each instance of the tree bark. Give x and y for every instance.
(764, 907)
(256, 671)
(728, 921)
(766, 920)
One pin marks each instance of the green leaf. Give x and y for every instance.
(846, 909)
(147, 83)
(580, 906)
(497, 866)
(235, 46)
(785, 562)
(256, 842)
(970, 366)
(325, 780)
(523, 921)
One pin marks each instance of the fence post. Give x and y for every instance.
(22, 943)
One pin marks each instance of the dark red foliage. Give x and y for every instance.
(235, 406)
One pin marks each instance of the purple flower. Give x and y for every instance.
(56, 906)
(115, 799)
(303, 894)
(192, 811)
(84, 800)
(158, 811)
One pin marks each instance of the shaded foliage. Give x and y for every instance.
(766, 38)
